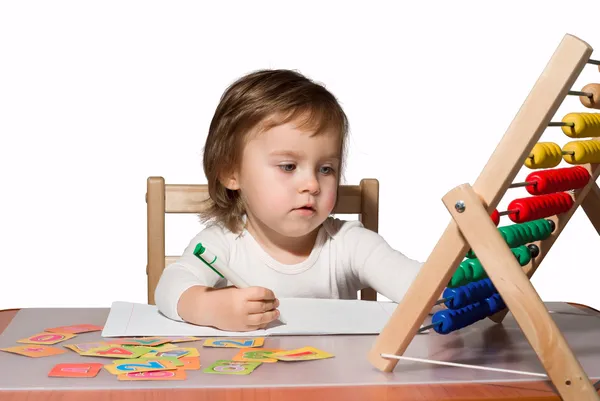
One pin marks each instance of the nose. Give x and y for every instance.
(310, 184)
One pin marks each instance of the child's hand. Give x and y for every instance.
(244, 309)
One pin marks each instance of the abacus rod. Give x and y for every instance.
(564, 152)
(560, 124)
(595, 62)
(522, 184)
(578, 93)
(441, 301)
(431, 326)
(462, 365)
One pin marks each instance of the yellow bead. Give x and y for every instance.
(586, 125)
(584, 152)
(544, 155)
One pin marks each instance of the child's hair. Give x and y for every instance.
(255, 103)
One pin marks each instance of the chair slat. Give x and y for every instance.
(189, 198)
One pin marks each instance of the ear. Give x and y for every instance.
(230, 180)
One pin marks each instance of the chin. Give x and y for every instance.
(298, 230)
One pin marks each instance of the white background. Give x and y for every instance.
(97, 96)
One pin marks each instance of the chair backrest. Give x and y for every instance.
(162, 198)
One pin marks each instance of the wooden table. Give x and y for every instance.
(518, 390)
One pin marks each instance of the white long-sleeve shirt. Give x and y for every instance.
(346, 258)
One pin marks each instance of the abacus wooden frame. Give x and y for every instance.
(473, 228)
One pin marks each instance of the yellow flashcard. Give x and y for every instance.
(46, 338)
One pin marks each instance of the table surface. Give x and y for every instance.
(346, 376)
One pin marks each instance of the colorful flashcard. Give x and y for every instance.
(164, 347)
(46, 338)
(136, 348)
(178, 374)
(34, 351)
(192, 352)
(75, 370)
(181, 339)
(228, 367)
(176, 352)
(116, 351)
(75, 329)
(145, 341)
(190, 362)
(122, 367)
(79, 348)
(234, 342)
(256, 355)
(175, 361)
(301, 354)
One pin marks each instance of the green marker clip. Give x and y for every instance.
(199, 250)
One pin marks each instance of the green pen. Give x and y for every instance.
(211, 260)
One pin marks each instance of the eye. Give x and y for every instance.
(287, 167)
(326, 170)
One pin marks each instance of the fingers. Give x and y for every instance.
(253, 307)
(258, 294)
(263, 319)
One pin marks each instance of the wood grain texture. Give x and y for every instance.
(529, 391)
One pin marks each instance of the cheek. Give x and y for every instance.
(329, 199)
(269, 193)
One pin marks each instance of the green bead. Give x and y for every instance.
(522, 254)
(477, 272)
(458, 278)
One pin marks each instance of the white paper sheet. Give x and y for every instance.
(303, 316)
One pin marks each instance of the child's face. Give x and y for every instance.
(289, 179)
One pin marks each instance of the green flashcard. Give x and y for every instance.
(228, 367)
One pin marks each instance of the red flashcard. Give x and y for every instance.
(75, 370)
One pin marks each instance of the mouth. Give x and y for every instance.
(307, 208)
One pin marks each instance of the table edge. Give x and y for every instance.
(535, 390)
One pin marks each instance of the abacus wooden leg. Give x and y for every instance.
(519, 295)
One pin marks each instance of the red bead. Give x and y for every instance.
(538, 207)
(496, 217)
(557, 180)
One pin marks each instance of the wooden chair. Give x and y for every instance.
(164, 198)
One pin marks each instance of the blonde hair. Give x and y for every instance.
(260, 101)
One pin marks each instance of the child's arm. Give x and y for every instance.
(190, 291)
(377, 265)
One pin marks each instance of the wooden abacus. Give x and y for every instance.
(473, 230)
